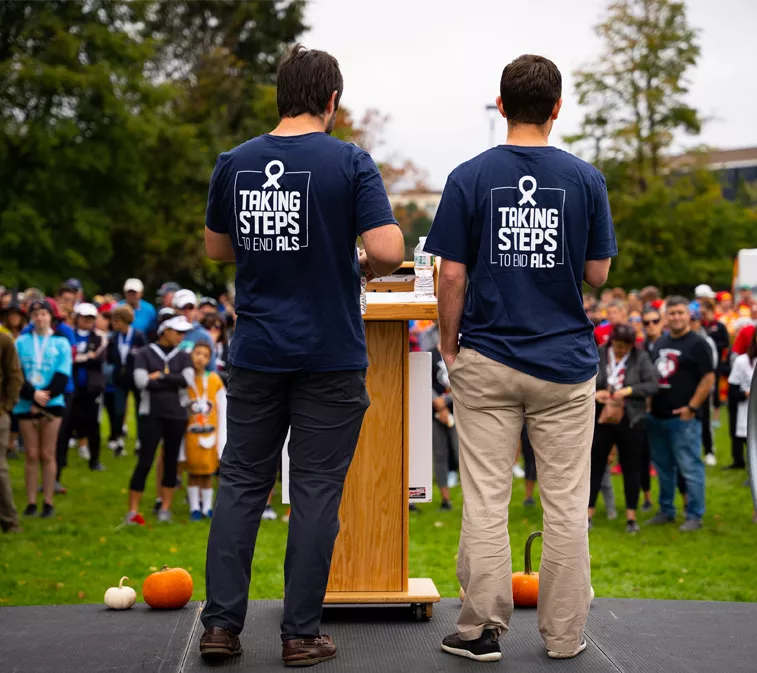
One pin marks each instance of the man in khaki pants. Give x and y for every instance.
(518, 229)
(11, 380)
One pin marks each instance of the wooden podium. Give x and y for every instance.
(370, 562)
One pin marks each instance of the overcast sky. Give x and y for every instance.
(433, 65)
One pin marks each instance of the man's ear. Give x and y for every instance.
(500, 106)
(556, 109)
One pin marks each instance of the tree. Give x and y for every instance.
(678, 233)
(114, 112)
(82, 130)
(635, 92)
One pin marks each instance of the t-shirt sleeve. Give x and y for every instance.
(602, 244)
(215, 215)
(64, 360)
(448, 237)
(372, 207)
(703, 357)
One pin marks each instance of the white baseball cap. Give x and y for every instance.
(184, 298)
(134, 285)
(704, 292)
(85, 309)
(178, 323)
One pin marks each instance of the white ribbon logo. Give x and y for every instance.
(527, 193)
(273, 178)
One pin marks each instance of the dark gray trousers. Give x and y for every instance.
(325, 411)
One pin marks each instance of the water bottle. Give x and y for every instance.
(363, 297)
(424, 271)
(363, 285)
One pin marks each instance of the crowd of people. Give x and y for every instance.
(66, 359)
(663, 363)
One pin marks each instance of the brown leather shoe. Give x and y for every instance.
(217, 643)
(308, 651)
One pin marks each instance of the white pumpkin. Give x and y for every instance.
(120, 597)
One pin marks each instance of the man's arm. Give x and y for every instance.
(452, 280)
(384, 250)
(219, 247)
(596, 272)
(13, 379)
(700, 395)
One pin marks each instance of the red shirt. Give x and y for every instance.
(744, 338)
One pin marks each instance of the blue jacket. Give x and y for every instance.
(56, 360)
(61, 329)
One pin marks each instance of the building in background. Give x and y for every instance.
(735, 168)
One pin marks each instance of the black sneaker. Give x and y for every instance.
(31, 510)
(446, 505)
(413, 507)
(47, 511)
(99, 467)
(647, 506)
(632, 526)
(158, 504)
(485, 648)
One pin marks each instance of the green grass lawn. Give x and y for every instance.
(75, 556)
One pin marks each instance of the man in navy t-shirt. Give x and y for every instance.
(519, 228)
(287, 207)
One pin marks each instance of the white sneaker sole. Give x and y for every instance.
(567, 655)
(492, 656)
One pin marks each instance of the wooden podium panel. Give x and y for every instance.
(370, 561)
(368, 555)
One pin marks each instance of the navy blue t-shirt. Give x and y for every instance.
(294, 207)
(525, 220)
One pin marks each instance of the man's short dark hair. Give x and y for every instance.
(305, 80)
(676, 300)
(648, 308)
(66, 289)
(530, 87)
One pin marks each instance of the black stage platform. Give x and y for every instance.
(627, 636)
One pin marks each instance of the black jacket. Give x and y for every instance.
(123, 373)
(640, 376)
(97, 344)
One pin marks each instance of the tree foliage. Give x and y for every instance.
(635, 92)
(675, 229)
(113, 113)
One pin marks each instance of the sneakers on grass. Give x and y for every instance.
(195, 515)
(710, 460)
(632, 527)
(485, 648)
(269, 514)
(529, 502)
(164, 516)
(84, 452)
(690, 525)
(518, 472)
(660, 519)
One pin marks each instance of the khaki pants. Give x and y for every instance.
(491, 400)
(8, 516)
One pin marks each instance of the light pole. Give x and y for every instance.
(493, 111)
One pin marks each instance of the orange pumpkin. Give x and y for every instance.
(526, 584)
(168, 589)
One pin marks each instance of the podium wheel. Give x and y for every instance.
(422, 612)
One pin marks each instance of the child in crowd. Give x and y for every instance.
(163, 372)
(125, 341)
(46, 365)
(206, 433)
(89, 381)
